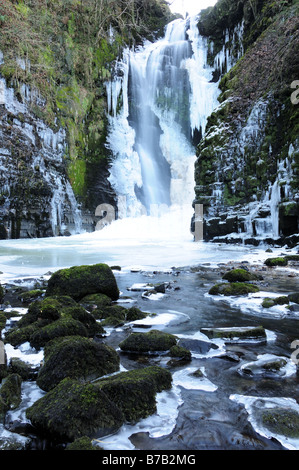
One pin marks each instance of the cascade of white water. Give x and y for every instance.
(167, 93)
(204, 92)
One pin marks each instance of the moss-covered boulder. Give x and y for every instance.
(2, 293)
(17, 336)
(25, 370)
(116, 315)
(46, 310)
(3, 320)
(86, 318)
(80, 281)
(282, 421)
(10, 393)
(267, 365)
(271, 302)
(294, 297)
(72, 410)
(134, 392)
(239, 275)
(134, 313)
(93, 301)
(63, 327)
(279, 261)
(113, 315)
(53, 317)
(180, 353)
(82, 443)
(233, 288)
(268, 303)
(78, 358)
(32, 295)
(153, 341)
(242, 332)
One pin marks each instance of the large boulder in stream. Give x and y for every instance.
(80, 281)
(72, 410)
(78, 358)
(233, 289)
(240, 275)
(153, 341)
(134, 391)
(53, 317)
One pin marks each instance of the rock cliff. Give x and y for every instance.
(55, 58)
(247, 163)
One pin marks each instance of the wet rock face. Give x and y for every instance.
(246, 172)
(36, 199)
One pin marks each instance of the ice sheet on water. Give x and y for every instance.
(252, 304)
(160, 424)
(185, 378)
(255, 405)
(287, 370)
(161, 320)
(24, 352)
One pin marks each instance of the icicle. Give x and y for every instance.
(274, 202)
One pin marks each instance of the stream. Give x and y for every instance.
(217, 410)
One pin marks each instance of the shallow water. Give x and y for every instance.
(214, 412)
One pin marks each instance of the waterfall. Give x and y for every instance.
(166, 92)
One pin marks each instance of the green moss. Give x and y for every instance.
(2, 293)
(46, 310)
(31, 295)
(268, 303)
(82, 443)
(247, 332)
(59, 328)
(279, 261)
(77, 176)
(282, 421)
(2, 321)
(17, 336)
(95, 300)
(180, 352)
(155, 340)
(134, 391)
(72, 410)
(239, 275)
(233, 288)
(79, 281)
(22, 368)
(10, 391)
(76, 357)
(282, 300)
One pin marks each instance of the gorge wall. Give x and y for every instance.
(247, 166)
(55, 58)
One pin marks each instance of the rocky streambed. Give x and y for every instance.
(189, 358)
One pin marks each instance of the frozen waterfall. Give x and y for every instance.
(166, 93)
